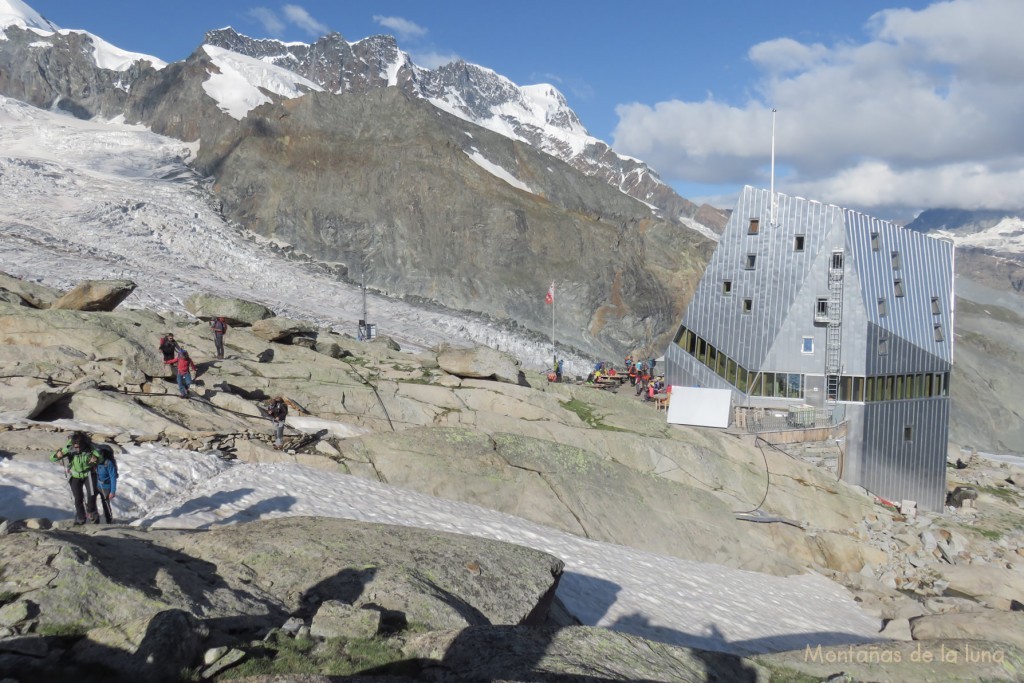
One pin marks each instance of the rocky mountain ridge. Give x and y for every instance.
(538, 114)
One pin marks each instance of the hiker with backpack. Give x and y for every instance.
(106, 479)
(79, 457)
(169, 347)
(277, 411)
(219, 326)
(186, 371)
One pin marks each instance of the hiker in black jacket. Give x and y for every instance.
(278, 411)
(169, 348)
(219, 326)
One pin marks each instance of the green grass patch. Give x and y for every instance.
(585, 412)
(69, 630)
(990, 534)
(999, 492)
(334, 657)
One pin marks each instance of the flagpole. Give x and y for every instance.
(553, 354)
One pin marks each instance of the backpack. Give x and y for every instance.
(108, 453)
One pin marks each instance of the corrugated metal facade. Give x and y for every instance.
(896, 320)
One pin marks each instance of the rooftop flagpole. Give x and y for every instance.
(772, 191)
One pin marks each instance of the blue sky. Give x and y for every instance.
(890, 107)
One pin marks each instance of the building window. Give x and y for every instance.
(755, 226)
(874, 241)
(897, 286)
(883, 346)
(939, 336)
(748, 305)
(837, 260)
(936, 308)
(908, 433)
(897, 262)
(750, 261)
(821, 309)
(808, 345)
(883, 307)
(726, 286)
(798, 243)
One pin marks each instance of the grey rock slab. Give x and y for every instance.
(336, 619)
(233, 656)
(95, 295)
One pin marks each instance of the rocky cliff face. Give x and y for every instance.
(449, 212)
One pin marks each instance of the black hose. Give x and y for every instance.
(767, 480)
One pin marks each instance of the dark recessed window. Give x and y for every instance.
(755, 226)
(883, 346)
(750, 261)
(897, 262)
(726, 286)
(897, 286)
(908, 433)
(883, 307)
(798, 243)
(939, 335)
(837, 260)
(748, 305)
(821, 308)
(874, 241)
(936, 308)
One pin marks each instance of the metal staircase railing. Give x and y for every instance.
(833, 331)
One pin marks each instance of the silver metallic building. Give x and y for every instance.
(810, 304)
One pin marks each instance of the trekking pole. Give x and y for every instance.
(67, 478)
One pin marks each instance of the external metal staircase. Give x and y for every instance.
(833, 330)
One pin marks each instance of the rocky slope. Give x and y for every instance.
(445, 212)
(568, 456)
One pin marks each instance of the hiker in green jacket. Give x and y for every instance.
(80, 456)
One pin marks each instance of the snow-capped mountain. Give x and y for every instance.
(1000, 232)
(536, 114)
(104, 55)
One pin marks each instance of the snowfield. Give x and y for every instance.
(665, 599)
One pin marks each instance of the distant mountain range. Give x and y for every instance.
(452, 186)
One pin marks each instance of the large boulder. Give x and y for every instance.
(95, 295)
(479, 362)
(235, 311)
(574, 653)
(282, 329)
(563, 487)
(29, 293)
(990, 626)
(262, 571)
(997, 586)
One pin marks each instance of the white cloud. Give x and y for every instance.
(432, 60)
(403, 28)
(301, 18)
(925, 111)
(269, 19)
